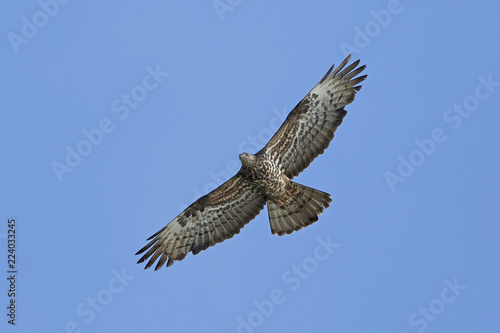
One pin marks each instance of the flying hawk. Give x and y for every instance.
(265, 177)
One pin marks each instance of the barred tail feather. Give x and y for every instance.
(299, 210)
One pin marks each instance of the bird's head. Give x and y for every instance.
(247, 159)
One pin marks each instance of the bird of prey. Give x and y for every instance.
(265, 177)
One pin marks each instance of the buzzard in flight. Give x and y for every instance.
(265, 177)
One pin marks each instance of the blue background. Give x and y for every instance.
(412, 215)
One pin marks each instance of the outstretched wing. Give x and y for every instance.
(211, 219)
(310, 127)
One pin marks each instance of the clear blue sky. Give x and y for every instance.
(116, 116)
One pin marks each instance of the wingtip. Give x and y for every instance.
(362, 78)
(140, 261)
(150, 263)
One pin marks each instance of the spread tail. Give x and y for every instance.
(300, 209)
